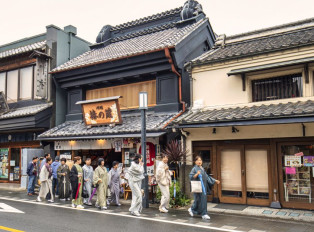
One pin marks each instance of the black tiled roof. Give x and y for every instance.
(131, 124)
(265, 41)
(146, 40)
(147, 19)
(257, 112)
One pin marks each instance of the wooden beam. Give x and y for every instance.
(243, 82)
(306, 73)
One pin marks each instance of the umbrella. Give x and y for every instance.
(174, 189)
(200, 176)
(93, 193)
(78, 190)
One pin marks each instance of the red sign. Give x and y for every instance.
(150, 153)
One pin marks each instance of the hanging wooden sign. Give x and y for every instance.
(101, 111)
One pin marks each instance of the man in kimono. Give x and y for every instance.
(114, 183)
(64, 181)
(164, 181)
(101, 178)
(76, 177)
(88, 180)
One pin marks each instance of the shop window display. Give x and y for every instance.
(4, 164)
(298, 173)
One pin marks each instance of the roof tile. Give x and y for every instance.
(290, 109)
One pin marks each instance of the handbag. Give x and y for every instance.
(196, 187)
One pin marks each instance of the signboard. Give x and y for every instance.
(293, 161)
(3, 104)
(308, 161)
(101, 111)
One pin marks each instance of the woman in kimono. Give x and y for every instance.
(46, 182)
(76, 177)
(135, 177)
(101, 178)
(63, 173)
(88, 180)
(199, 206)
(163, 176)
(114, 183)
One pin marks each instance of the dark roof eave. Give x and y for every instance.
(252, 122)
(111, 60)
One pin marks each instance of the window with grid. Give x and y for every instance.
(17, 84)
(289, 86)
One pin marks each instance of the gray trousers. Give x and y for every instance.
(88, 188)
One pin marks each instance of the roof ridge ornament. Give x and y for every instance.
(104, 34)
(191, 9)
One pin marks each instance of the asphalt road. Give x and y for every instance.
(43, 217)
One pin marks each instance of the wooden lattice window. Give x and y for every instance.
(289, 86)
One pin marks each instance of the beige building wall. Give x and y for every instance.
(213, 88)
(247, 132)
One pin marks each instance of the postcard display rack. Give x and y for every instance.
(298, 179)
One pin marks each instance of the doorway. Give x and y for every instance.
(244, 172)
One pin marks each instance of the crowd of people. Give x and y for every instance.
(80, 184)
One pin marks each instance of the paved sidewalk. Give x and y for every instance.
(286, 214)
(11, 187)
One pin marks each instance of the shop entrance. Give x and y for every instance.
(244, 172)
(296, 174)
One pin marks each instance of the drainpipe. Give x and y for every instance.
(173, 69)
(70, 43)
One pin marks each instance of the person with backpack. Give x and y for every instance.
(32, 174)
(55, 187)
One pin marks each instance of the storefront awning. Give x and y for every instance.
(148, 135)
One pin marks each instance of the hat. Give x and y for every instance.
(57, 158)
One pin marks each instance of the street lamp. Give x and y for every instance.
(143, 107)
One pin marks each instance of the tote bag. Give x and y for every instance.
(196, 187)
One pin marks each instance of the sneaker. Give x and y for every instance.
(137, 214)
(89, 204)
(73, 205)
(190, 212)
(119, 204)
(164, 209)
(104, 208)
(62, 199)
(38, 199)
(80, 207)
(51, 201)
(206, 217)
(68, 199)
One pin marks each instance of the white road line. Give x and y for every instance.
(128, 216)
(229, 227)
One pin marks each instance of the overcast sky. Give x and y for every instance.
(24, 18)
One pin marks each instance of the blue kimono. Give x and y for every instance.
(200, 199)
